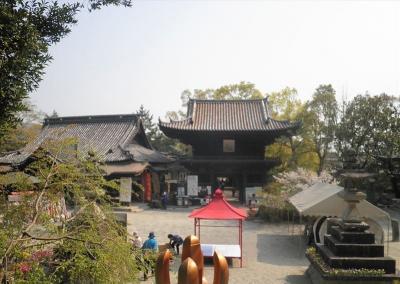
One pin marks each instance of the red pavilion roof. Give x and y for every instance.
(219, 209)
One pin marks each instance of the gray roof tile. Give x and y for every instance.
(227, 115)
(107, 135)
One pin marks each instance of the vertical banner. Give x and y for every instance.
(192, 185)
(125, 191)
(147, 186)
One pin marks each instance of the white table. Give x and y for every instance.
(228, 251)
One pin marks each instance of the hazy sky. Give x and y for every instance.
(118, 58)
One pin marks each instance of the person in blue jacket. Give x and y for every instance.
(151, 242)
(149, 245)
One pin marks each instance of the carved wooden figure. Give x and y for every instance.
(191, 248)
(162, 268)
(221, 273)
(188, 272)
(192, 267)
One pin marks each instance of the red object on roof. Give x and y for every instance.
(219, 209)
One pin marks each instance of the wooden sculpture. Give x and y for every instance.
(188, 272)
(221, 273)
(192, 267)
(162, 268)
(191, 248)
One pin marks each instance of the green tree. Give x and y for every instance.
(150, 127)
(158, 140)
(293, 151)
(27, 29)
(40, 242)
(26, 130)
(320, 122)
(370, 125)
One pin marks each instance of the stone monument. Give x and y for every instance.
(349, 253)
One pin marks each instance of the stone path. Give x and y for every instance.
(271, 253)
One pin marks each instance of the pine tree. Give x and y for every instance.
(150, 127)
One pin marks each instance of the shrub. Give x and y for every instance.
(312, 253)
(41, 243)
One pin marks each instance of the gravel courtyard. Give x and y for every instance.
(272, 254)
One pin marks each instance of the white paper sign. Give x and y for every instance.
(249, 193)
(181, 191)
(125, 192)
(192, 185)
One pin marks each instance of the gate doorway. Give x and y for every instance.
(230, 186)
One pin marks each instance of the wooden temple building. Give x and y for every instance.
(119, 141)
(228, 139)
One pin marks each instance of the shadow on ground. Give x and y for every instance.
(297, 279)
(281, 250)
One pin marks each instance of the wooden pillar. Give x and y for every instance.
(147, 186)
(212, 180)
(241, 242)
(242, 198)
(199, 228)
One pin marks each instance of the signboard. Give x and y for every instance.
(192, 185)
(167, 176)
(181, 191)
(125, 192)
(250, 192)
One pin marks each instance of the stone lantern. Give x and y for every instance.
(349, 247)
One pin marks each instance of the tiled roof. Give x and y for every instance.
(130, 168)
(106, 135)
(143, 154)
(227, 115)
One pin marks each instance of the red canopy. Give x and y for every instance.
(219, 209)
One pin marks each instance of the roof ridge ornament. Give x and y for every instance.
(264, 103)
(218, 193)
(126, 152)
(193, 112)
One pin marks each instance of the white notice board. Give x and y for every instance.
(125, 191)
(192, 185)
(249, 193)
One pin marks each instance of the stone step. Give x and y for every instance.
(352, 237)
(361, 250)
(127, 209)
(386, 263)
